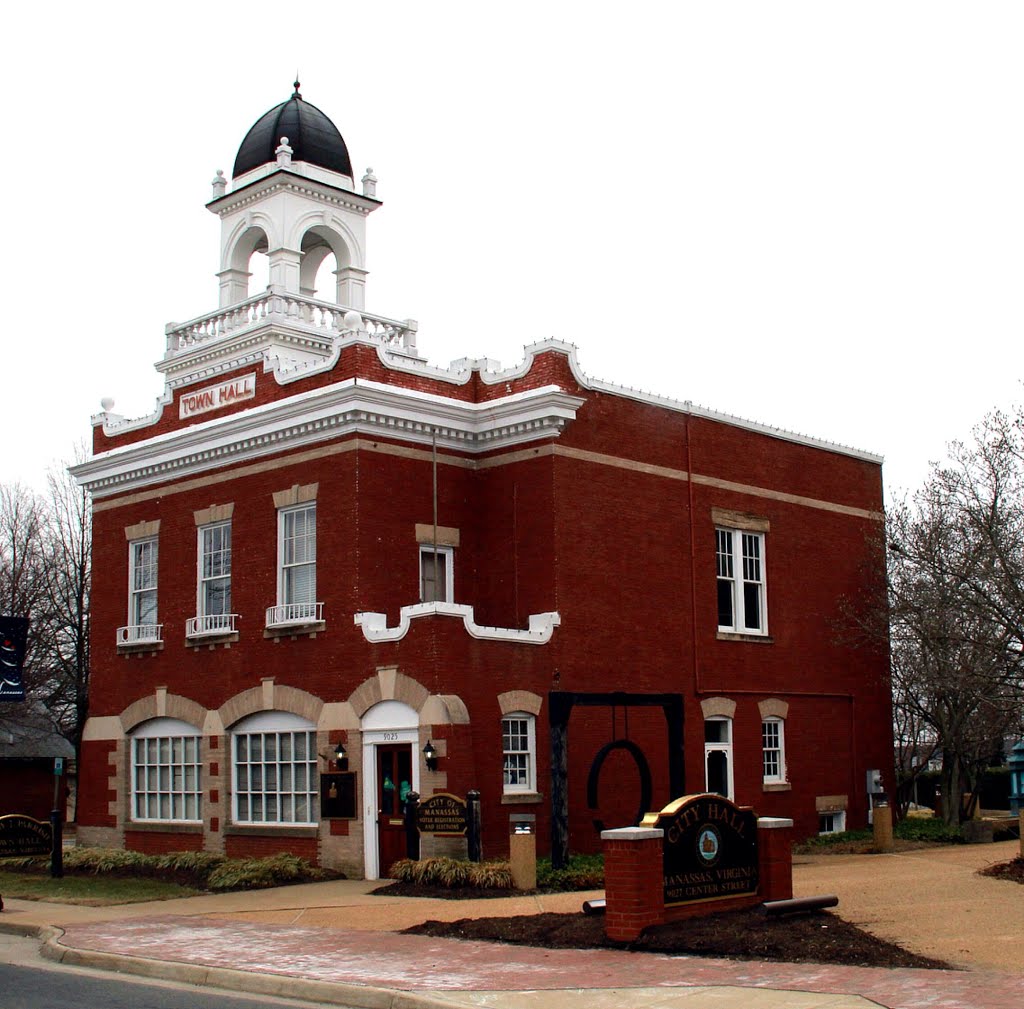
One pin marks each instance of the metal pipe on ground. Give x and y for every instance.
(797, 904)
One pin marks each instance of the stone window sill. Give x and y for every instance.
(755, 639)
(777, 786)
(521, 798)
(270, 829)
(211, 640)
(170, 827)
(140, 648)
(295, 630)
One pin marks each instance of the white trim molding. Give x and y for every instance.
(319, 415)
(375, 625)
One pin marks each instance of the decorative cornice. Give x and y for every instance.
(375, 629)
(459, 372)
(259, 189)
(349, 407)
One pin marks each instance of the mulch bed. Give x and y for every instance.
(446, 892)
(1012, 870)
(818, 937)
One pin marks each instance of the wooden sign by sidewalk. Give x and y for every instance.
(24, 835)
(710, 849)
(442, 814)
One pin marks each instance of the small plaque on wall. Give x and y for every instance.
(338, 795)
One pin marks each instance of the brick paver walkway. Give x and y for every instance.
(422, 964)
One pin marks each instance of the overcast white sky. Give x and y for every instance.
(809, 214)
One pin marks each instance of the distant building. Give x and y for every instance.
(589, 600)
(28, 748)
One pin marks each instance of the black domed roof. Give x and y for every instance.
(311, 136)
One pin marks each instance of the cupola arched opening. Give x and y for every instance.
(248, 264)
(331, 268)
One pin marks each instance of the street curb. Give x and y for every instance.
(338, 993)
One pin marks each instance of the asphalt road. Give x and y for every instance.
(29, 981)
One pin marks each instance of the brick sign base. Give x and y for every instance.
(635, 883)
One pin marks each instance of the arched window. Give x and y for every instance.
(773, 750)
(166, 771)
(718, 755)
(274, 769)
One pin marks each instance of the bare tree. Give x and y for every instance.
(45, 551)
(953, 605)
(68, 553)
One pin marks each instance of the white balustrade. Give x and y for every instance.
(294, 614)
(140, 634)
(210, 624)
(320, 316)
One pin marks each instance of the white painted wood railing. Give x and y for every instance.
(320, 316)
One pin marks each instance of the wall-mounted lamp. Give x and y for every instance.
(430, 756)
(340, 757)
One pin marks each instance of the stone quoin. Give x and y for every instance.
(321, 551)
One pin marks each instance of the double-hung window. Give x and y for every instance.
(773, 750)
(166, 771)
(143, 623)
(214, 581)
(739, 557)
(437, 581)
(519, 752)
(274, 769)
(296, 590)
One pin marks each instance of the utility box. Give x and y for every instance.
(523, 852)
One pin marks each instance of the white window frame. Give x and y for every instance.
(207, 622)
(275, 726)
(773, 751)
(138, 565)
(291, 611)
(838, 821)
(169, 776)
(530, 784)
(724, 746)
(426, 558)
(735, 564)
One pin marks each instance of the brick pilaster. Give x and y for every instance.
(774, 850)
(633, 881)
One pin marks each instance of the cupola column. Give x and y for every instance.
(351, 287)
(285, 267)
(234, 286)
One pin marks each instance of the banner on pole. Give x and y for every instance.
(13, 635)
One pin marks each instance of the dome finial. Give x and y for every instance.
(296, 86)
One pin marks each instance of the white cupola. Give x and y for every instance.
(293, 197)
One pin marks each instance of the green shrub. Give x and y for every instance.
(197, 863)
(452, 873)
(584, 872)
(200, 869)
(260, 873)
(107, 860)
(403, 870)
(491, 875)
(914, 829)
(833, 840)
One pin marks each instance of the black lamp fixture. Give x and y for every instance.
(339, 756)
(430, 756)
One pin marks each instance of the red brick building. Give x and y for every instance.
(320, 538)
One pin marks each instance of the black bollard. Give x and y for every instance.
(473, 842)
(412, 831)
(57, 851)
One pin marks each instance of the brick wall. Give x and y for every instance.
(625, 555)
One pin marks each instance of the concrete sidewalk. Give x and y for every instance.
(334, 943)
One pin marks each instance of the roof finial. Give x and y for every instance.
(296, 85)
